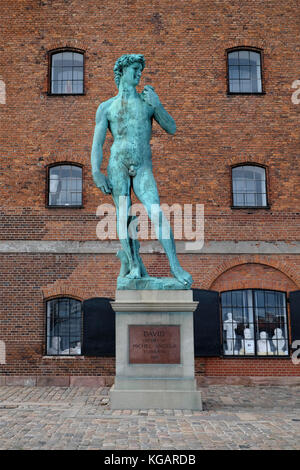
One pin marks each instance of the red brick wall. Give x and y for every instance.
(185, 47)
(27, 280)
(184, 44)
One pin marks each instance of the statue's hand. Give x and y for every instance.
(150, 97)
(102, 182)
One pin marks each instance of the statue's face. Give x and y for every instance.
(132, 74)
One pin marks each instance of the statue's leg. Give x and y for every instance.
(145, 188)
(120, 182)
(136, 248)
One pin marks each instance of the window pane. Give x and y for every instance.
(259, 87)
(67, 73)
(67, 59)
(244, 58)
(234, 86)
(255, 58)
(67, 86)
(233, 58)
(77, 73)
(234, 72)
(57, 59)
(245, 72)
(246, 86)
(76, 172)
(56, 87)
(77, 59)
(57, 73)
(78, 86)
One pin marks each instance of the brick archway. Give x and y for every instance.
(63, 289)
(254, 275)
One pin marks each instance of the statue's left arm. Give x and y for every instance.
(160, 114)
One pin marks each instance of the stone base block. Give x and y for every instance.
(153, 399)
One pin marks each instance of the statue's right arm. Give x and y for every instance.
(99, 178)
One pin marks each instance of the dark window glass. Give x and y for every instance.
(65, 185)
(254, 323)
(249, 186)
(244, 68)
(67, 73)
(64, 327)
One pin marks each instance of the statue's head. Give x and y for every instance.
(125, 61)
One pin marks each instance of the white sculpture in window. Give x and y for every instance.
(278, 341)
(248, 341)
(55, 345)
(230, 326)
(263, 344)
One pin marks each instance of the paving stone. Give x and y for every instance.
(235, 417)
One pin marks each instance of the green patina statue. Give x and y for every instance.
(128, 116)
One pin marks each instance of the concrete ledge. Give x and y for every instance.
(53, 381)
(206, 381)
(112, 246)
(19, 380)
(87, 381)
(56, 381)
(108, 381)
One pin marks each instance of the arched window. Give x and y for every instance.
(64, 320)
(65, 185)
(66, 73)
(244, 71)
(249, 187)
(254, 323)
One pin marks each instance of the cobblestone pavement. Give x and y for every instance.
(234, 417)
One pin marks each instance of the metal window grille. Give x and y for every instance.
(254, 323)
(64, 326)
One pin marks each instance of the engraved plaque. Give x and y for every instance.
(154, 344)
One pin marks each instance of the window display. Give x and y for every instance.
(254, 323)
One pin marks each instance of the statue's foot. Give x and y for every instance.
(182, 276)
(134, 273)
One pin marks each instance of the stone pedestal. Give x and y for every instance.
(155, 350)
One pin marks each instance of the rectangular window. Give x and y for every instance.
(67, 73)
(65, 185)
(64, 327)
(244, 71)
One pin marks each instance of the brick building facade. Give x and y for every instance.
(52, 252)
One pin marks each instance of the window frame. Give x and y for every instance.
(61, 297)
(267, 206)
(64, 163)
(251, 49)
(57, 51)
(257, 356)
